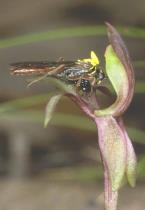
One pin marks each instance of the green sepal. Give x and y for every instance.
(119, 80)
(50, 108)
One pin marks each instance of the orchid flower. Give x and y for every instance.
(116, 150)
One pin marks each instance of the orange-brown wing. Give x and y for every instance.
(37, 68)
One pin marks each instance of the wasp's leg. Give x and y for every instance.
(49, 74)
(78, 85)
(37, 80)
(93, 85)
(93, 81)
(78, 82)
(56, 70)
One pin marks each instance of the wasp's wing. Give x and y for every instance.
(40, 68)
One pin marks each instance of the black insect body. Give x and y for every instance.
(85, 86)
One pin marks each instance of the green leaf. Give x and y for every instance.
(22, 103)
(141, 168)
(80, 31)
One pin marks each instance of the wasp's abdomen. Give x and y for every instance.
(85, 86)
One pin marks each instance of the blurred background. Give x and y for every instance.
(59, 167)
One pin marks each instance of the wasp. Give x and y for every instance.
(84, 74)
